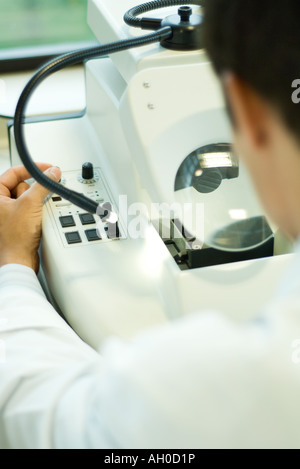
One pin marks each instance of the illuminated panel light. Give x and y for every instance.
(216, 160)
(238, 214)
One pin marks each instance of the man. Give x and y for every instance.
(203, 381)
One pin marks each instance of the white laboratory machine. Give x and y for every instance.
(180, 229)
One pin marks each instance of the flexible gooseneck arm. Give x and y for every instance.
(54, 66)
(131, 16)
(161, 34)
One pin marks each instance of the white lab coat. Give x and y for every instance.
(200, 382)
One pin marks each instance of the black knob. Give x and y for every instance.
(186, 30)
(87, 171)
(185, 13)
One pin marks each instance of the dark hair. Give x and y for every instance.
(259, 40)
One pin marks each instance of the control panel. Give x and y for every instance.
(76, 227)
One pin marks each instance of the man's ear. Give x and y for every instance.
(249, 110)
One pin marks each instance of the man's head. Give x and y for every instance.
(254, 46)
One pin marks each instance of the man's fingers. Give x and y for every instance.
(20, 189)
(38, 193)
(11, 178)
(4, 191)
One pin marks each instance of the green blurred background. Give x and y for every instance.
(26, 23)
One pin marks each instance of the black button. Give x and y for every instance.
(67, 221)
(73, 238)
(87, 219)
(57, 199)
(92, 235)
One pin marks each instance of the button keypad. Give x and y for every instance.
(76, 227)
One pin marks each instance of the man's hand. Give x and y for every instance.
(21, 216)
